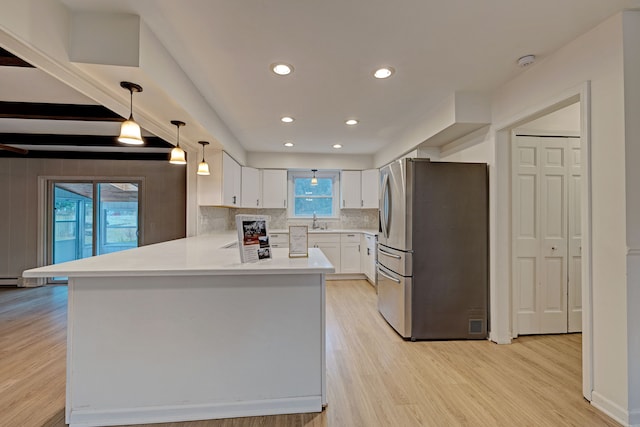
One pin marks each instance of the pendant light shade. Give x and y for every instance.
(130, 130)
(314, 180)
(177, 154)
(203, 167)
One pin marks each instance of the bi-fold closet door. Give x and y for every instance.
(546, 235)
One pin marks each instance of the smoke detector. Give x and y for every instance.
(526, 60)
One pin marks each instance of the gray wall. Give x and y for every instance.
(163, 202)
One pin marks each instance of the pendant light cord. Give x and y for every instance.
(130, 104)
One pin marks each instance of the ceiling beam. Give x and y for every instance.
(89, 155)
(47, 111)
(8, 59)
(79, 141)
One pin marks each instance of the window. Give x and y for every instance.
(306, 199)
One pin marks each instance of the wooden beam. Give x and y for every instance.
(47, 111)
(79, 141)
(87, 155)
(8, 59)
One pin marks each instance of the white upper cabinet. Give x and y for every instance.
(223, 186)
(350, 183)
(359, 189)
(251, 188)
(370, 182)
(274, 188)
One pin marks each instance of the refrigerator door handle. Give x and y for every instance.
(385, 207)
(389, 254)
(382, 273)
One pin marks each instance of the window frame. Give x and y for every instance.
(334, 175)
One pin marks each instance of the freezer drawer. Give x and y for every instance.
(394, 299)
(395, 260)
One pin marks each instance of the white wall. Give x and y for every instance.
(595, 57)
(308, 161)
(566, 119)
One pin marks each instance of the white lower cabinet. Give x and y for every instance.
(350, 253)
(330, 245)
(368, 257)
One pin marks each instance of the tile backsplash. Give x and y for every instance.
(216, 219)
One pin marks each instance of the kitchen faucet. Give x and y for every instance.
(315, 225)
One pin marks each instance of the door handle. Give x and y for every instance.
(384, 214)
(382, 273)
(389, 254)
(234, 200)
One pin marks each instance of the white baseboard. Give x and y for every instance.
(166, 414)
(346, 276)
(499, 339)
(612, 409)
(634, 418)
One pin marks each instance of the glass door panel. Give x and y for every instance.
(74, 232)
(117, 217)
(72, 222)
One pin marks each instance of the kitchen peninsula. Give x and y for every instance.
(182, 330)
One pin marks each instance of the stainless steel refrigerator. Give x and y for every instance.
(432, 268)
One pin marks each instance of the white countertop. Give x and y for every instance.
(200, 255)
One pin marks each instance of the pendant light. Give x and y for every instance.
(177, 154)
(130, 130)
(314, 180)
(203, 167)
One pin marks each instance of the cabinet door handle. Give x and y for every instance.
(368, 251)
(285, 203)
(257, 202)
(234, 200)
(343, 203)
(361, 203)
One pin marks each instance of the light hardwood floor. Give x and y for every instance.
(374, 377)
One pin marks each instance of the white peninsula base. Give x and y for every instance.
(166, 347)
(161, 349)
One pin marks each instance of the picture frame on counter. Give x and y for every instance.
(298, 241)
(253, 238)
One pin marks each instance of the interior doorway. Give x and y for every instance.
(546, 232)
(91, 217)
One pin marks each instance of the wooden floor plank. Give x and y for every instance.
(374, 377)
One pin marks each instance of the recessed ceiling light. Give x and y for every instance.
(288, 144)
(287, 119)
(337, 145)
(281, 69)
(383, 73)
(351, 122)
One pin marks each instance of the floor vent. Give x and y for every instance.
(476, 326)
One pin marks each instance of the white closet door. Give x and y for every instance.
(553, 226)
(575, 238)
(540, 234)
(526, 230)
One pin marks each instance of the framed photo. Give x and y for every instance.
(298, 241)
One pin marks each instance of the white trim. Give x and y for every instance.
(634, 418)
(166, 414)
(346, 276)
(501, 222)
(499, 339)
(610, 408)
(542, 132)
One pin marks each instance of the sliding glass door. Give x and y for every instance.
(91, 218)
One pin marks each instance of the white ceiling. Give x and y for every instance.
(437, 47)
